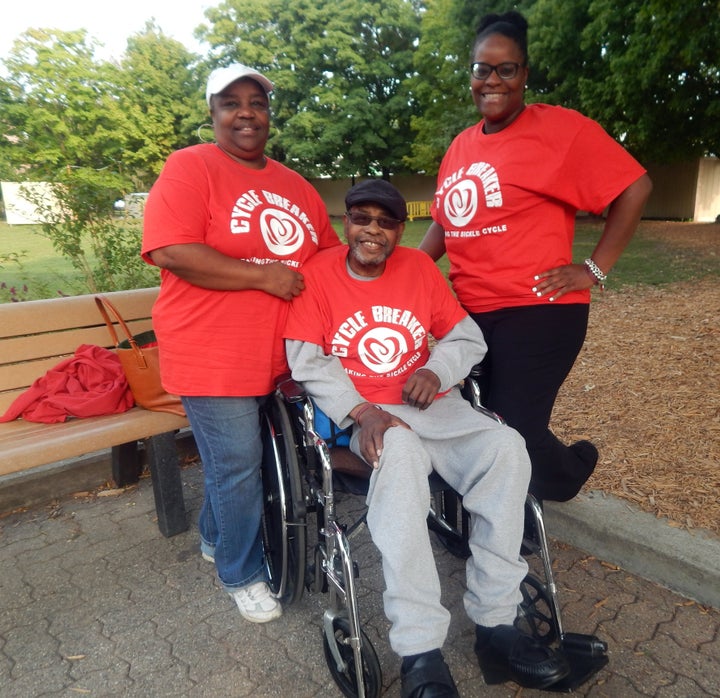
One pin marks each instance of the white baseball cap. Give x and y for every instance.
(220, 78)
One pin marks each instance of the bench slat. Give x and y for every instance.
(56, 314)
(61, 344)
(8, 397)
(24, 445)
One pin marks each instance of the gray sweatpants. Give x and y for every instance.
(488, 465)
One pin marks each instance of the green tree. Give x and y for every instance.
(558, 55)
(341, 69)
(440, 83)
(647, 70)
(96, 130)
(7, 141)
(160, 100)
(59, 109)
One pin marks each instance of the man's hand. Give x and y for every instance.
(373, 425)
(421, 389)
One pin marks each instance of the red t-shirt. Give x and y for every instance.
(377, 328)
(507, 201)
(228, 343)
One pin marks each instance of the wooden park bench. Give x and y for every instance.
(34, 337)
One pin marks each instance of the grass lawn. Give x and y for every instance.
(40, 273)
(649, 259)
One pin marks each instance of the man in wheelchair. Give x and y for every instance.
(358, 341)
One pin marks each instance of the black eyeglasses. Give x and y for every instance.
(360, 218)
(505, 71)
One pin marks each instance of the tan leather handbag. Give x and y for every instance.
(140, 360)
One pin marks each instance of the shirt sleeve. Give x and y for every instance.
(177, 210)
(325, 380)
(456, 353)
(595, 170)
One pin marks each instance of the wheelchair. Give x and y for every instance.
(306, 460)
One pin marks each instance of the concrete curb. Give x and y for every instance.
(687, 562)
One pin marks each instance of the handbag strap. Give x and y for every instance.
(104, 305)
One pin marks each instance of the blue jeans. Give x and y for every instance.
(227, 433)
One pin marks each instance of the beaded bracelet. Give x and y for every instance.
(362, 410)
(596, 272)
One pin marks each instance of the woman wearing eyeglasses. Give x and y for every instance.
(504, 211)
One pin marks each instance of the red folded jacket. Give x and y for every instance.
(88, 384)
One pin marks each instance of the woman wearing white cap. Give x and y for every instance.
(229, 229)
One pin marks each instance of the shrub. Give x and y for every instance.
(81, 226)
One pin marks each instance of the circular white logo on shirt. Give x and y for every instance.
(461, 202)
(282, 233)
(382, 349)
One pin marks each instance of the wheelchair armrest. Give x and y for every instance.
(475, 371)
(290, 389)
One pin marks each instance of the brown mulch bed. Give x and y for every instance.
(646, 390)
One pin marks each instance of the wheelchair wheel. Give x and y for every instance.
(283, 521)
(347, 679)
(535, 616)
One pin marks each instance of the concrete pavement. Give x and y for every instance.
(94, 601)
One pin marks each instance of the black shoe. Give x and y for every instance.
(427, 676)
(506, 654)
(562, 480)
(587, 453)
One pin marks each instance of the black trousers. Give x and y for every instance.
(531, 350)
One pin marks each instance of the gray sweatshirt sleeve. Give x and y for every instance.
(324, 378)
(456, 353)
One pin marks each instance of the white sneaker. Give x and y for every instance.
(256, 603)
(207, 557)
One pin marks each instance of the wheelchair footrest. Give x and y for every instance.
(337, 574)
(586, 655)
(340, 572)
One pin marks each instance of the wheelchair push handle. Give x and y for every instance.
(290, 389)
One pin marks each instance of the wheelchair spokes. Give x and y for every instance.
(341, 656)
(535, 613)
(283, 522)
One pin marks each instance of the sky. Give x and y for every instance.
(109, 25)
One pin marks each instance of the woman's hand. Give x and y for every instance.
(421, 388)
(204, 266)
(561, 280)
(282, 281)
(622, 220)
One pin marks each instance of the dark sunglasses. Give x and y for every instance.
(362, 219)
